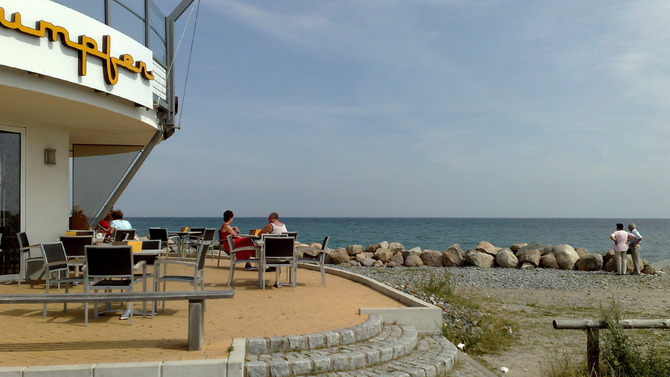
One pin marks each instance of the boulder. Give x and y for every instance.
(549, 261)
(354, 249)
(531, 256)
(367, 262)
(383, 245)
(527, 266)
(649, 269)
(610, 266)
(414, 251)
(566, 256)
(544, 248)
(361, 257)
(479, 259)
(431, 258)
(353, 263)
(453, 256)
(396, 247)
(488, 248)
(590, 262)
(413, 261)
(517, 246)
(309, 252)
(339, 256)
(315, 245)
(372, 248)
(608, 255)
(507, 259)
(378, 263)
(581, 251)
(398, 259)
(383, 255)
(390, 264)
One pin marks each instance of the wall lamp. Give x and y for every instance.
(49, 156)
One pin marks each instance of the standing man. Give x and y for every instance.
(620, 238)
(635, 248)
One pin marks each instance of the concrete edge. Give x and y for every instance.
(463, 357)
(235, 365)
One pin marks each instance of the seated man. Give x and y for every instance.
(274, 226)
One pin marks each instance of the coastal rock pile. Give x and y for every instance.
(485, 255)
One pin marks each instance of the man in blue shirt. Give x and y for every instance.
(634, 248)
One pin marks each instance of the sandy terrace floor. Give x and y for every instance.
(28, 339)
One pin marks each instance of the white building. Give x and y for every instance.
(86, 92)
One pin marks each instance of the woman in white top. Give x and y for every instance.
(274, 226)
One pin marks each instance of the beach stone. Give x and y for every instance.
(383, 255)
(531, 256)
(610, 266)
(566, 256)
(354, 249)
(383, 245)
(311, 252)
(549, 261)
(372, 248)
(581, 251)
(507, 259)
(479, 259)
(391, 264)
(608, 255)
(378, 263)
(488, 248)
(367, 262)
(431, 258)
(544, 248)
(590, 262)
(453, 256)
(396, 247)
(353, 263)
(398, 259)
(415, 250)
(361, 257)
(413, 260)
(649, 269)
(527, 266)
(407, 253)
(518, 246)
(339, 256)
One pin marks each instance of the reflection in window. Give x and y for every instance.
(93, 9)
(123, 20)
(10, 201)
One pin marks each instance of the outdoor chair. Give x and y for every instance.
(56, 269)
(315, 256)
(234, 260)
(290, 234)
(27, 254)
(110, 268)
(162, 235)
(207, 237)
(278, 252)
(75, 245)
(198, 270)
(124, 235)
(80, 233)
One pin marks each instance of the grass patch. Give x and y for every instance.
(479, 330)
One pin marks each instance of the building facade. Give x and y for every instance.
(86, 91)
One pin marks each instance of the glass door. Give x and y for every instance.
(10, 204)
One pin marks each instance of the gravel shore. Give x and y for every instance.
(504, 278)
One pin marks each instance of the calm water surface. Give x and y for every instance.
(439, 233)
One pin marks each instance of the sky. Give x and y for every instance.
(416, 108)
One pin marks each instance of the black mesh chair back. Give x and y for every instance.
(109, 261)
(75, 245)
(158, 234)
(290, 234)
(83, 232)
(208, 234)
(54, 252)
(23, 240)
(151, 244)
(279, 247)
(124, 235)
(197, 231)
(202, 253)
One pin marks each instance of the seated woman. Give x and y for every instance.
(227, 229)
(118, 222)
(78, 220)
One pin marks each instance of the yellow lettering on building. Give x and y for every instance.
(85, 46)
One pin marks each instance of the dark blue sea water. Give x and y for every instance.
(439, 233)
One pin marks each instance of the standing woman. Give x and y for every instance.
(227, 229)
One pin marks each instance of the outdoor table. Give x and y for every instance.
(183, 241)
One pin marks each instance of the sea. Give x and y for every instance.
(440, 233)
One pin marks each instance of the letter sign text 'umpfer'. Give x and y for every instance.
(85, 46)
